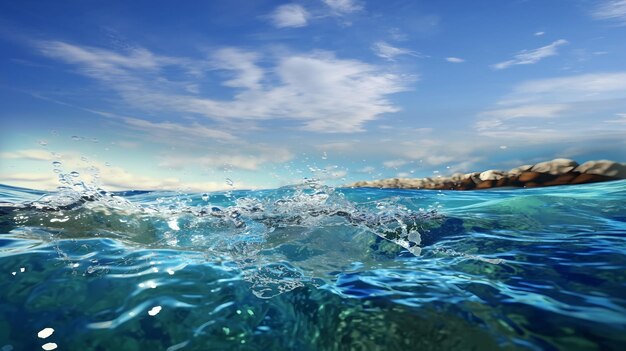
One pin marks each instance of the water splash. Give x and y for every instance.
(249, 229)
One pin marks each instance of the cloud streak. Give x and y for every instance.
(389, 52)
(343, 6)
(455, 60)
(318, 91)
(289, 16)
(528, 57)
(566, 105)
(614, 10)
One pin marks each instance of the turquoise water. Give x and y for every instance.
(314, 268)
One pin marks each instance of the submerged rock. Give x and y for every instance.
(560, 171)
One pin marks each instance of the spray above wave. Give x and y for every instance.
(277, 238)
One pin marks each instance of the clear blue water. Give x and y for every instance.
(314, 268)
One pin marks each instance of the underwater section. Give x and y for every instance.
(313, 267)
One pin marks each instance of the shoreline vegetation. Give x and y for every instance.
(559, 171)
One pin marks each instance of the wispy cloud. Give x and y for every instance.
(319, 91)
(527, 57)
(538, 34)
(289, 15)
(250, 161)
(110, 177)
(343, 6)
(27, 154)
(621, 119)
(389, 52)
(611, 10)
(565, 104)
(177, 131)
(395, 163)
(493, 119)
(455, 59)
(247, 74)
(577, 88)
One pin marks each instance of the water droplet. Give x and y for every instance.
(56, 164)
(324, 156)
(229, 182)
(75, 174)
(155, 310)
(49, 346)
(205, 197)
(76, 138)
(84, 159)
(43, 143)
(44, 333)
(107, 164)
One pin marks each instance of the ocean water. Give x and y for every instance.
(311, 267)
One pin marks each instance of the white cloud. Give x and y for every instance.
(621, 119)
(248, 74)
(388, 52)
(496, 118)
(455, 59)
(31, 154)
(319, 91)
(584, 87)
(366, 169)
(343, 6)
(395, 163)
(611, 10)
(527, 57)
(437, 152)
(251, 161)
(566, 105)
(289, 15)
(178, 131)
(111, 178)
(538, 34)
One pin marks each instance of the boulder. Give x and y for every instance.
(528, 176)
(491, 175)
(519, 170)
(456, 177)
(475, 177)
(557, 166)
(603, 167)
(486, 184)
(590, 178)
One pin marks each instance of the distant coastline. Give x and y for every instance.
(559, 171)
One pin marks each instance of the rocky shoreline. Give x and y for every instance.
(556, 172)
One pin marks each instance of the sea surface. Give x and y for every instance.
(312, 267)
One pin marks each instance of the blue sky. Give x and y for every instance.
(182, 95)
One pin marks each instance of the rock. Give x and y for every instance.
(519, 170)
(486, 184)
(590, 178)
(528, 176)
(603, 167)
(555, 172)
(556, 166)
(562, 179)
(504, 181)
(475, 177)
(491, 175)
(457, 177)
